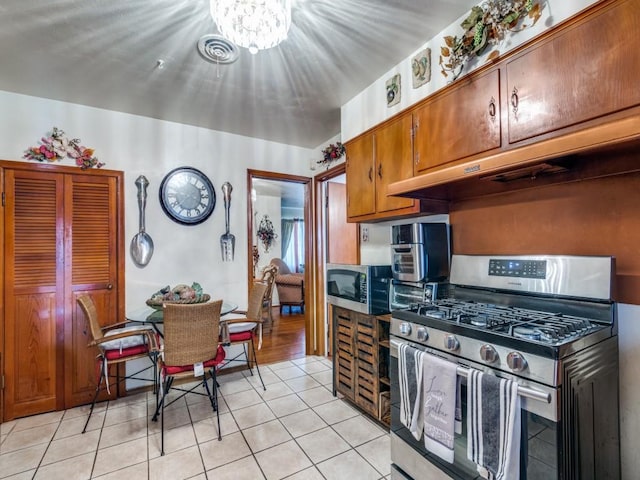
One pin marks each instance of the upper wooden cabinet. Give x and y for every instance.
(463, 121)
(374, 160)
(361, 194)
(587, 70)
(393, 160)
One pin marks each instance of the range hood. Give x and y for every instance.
(605, 149)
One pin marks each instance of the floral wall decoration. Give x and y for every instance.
(266, 233)
(393, 90)
(57, 146)
(487, 25)
(421, 68)
(331, 153)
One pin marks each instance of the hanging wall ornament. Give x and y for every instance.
(266, 233)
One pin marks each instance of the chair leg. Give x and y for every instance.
(215, 395)
(255, 360)
(95, 395)
(246, 355)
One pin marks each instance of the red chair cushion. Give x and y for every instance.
(241, 336)
(116, 354)
(214, 362)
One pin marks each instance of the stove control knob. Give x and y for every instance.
(488, 354)
(422, 334)
(516, 362)
(405, 328)
(451, 343)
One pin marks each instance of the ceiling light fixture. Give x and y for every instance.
(253, 24)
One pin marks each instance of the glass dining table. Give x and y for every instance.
(154, 317)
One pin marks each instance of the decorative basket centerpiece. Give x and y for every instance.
(182, 294)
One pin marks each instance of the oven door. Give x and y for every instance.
(540, 439)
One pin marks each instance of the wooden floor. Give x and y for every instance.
(285, 341)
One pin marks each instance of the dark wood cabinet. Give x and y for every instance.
(374, 160)
(461, 122)
(62, 236)
(360, 368)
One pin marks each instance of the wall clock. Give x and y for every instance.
(187, 196)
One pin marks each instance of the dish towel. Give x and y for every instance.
(439, 387)
(493, 425)
(410, 367)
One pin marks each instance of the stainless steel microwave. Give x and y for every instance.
(362, 288)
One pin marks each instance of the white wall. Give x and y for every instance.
(139, 145)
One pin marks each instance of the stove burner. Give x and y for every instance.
(479, 321)
(526, 332)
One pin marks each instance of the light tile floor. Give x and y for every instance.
(296, 429)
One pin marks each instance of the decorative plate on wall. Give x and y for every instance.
(187, 196)
(393, 90)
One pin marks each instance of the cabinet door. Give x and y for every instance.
(367, 380)
(33, 292)
(463, 122)
(393, 162)
(91, 260)
(589, 70)
(361, 198)
(344, 351)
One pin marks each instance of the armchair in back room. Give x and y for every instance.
(290, 286)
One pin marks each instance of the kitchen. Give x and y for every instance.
(130, 154)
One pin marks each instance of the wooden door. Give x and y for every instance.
(581, 74)
(393, 162)
(361, 193)
(91, 260)
(33, 292)
(343, 245)
(463, 122)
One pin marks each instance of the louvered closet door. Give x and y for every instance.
(90, 257)
(34, 291)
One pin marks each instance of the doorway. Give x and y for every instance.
(282, 202)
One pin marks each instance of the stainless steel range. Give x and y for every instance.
(547, 322)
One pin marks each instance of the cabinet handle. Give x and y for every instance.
(492, 108)
(371, 174)
(514, 100)
(380, 171)
(109, 286)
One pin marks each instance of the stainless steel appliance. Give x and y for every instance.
(420, 252)
(547, 322)
(362, 288)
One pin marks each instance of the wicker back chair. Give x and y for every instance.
(242, 330)
(191, 337)
(118, 344)
(268, 278)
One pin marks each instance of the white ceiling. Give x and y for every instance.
(104, 53)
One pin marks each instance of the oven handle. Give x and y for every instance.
(464, 372)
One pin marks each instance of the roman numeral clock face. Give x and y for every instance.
(187, 196)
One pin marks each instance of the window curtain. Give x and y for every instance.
(293, 243)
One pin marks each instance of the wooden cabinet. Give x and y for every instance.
(62, 236)
(361, 193)
(358, 363)
(463, 121)
(582, 73)
(374, 160)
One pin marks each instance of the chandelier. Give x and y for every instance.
(253, 24)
